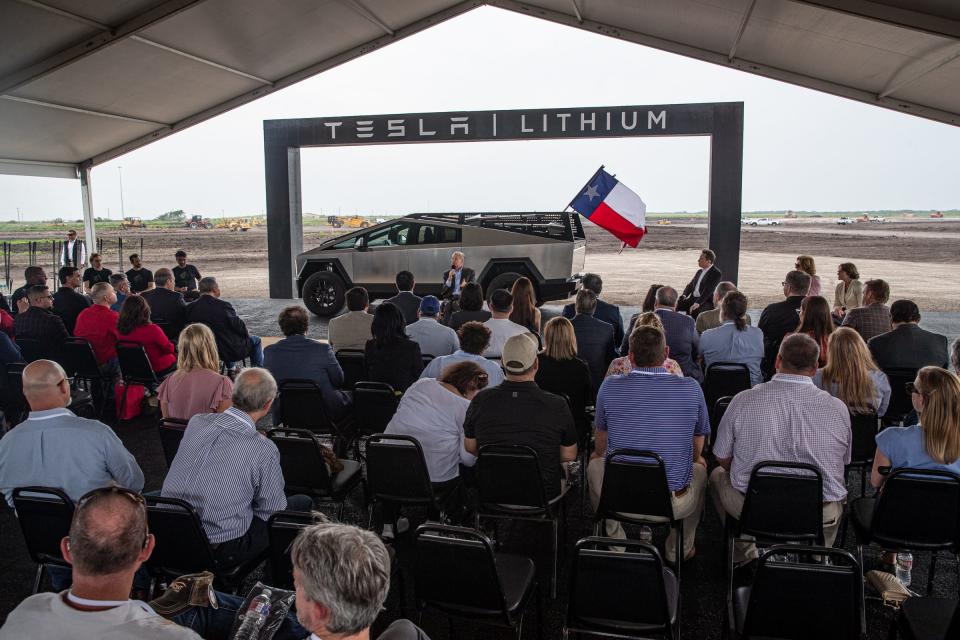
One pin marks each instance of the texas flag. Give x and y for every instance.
(610, 204)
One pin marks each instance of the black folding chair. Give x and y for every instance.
(397, 474)
(901, 404)
(725, 379)
(427, 359)
(597, 606)
(135, 368)
(635, 491)
(32, 349)
(182, 545)
(865, 428)
(301, 406)
(928, 619)
(171, 433)
(458, 573)
(818, 596)
(717, 411)
(510, 487)
(282, 528)
(354, 366)
(306, 471)
(15, 406)
(44, 514)
(918, 510)
(80, 363)
(374, 404)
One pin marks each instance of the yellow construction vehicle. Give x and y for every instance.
(132, 223)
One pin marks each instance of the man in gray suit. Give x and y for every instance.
(680, 329)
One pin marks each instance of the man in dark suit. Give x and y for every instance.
(908, 346)
(683, 341)
(609, 313)
(234, 342)
(595, 343)
(457, 276)
(780, 318)
(698, 295)
(40, 323)
(67, 303)
(405, 299)
(167, 306)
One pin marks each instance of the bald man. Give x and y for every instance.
(55, 448)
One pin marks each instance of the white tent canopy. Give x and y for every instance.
(84, 81)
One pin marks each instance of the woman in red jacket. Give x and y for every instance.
(134, 326)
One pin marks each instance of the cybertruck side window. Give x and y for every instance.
(345, 244)
(430, 234)
(392, 236)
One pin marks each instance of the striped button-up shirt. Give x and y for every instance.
(228, 472)
(650, 408)
(788, 420)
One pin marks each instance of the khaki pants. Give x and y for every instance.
(687, 507)
(729, 500)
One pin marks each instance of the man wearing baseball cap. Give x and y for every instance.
(518, 412)
(434, 338)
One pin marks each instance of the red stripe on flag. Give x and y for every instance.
(622, 228)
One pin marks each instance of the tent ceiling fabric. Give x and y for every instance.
(83, 81)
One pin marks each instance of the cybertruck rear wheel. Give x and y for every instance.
(323, 293)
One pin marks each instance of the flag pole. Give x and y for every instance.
(570, 204)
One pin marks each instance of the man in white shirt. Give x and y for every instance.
(73, 253)
(434, 338)
(500, 325)
(474, 338)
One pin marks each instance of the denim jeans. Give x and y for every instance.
(256, 354)
(216, 624)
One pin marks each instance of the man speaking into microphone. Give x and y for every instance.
(453, 279)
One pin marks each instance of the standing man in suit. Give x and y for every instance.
(609, 313)
(406, 300)
(780, 318)
(698, 295)
(166, 305)
(908, 346)
(595, 343)
(73, 253)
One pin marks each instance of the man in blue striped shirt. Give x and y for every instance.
(651, 409)
(231, 474)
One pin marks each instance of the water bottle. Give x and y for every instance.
(904, 568)
(646, 534)
(254, 617)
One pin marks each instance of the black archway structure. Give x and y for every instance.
(283, 139)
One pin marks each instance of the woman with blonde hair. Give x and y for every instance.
(560, 371)
(525, 312)
(196, 386)
(808, 266)
(852, 375)
(622, 365)
(934, 443)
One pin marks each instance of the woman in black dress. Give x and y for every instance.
(562, 372)
(390, 356)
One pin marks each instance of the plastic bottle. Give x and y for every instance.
(646, 534)
(254, 617)
(904, 568)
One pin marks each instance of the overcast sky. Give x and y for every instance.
(803, 150)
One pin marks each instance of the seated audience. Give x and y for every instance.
(471, 306)
(500, 325)
(121, 286)
(607, 312)
(786, 420)
(934, 443)
(435, 339)
(780, 318)
(518, 412)
(474, 339)
(849, 292)
(55, 448)
(525, 312)
(697, 296)
(167, 307)
(140, 278)
(197, 385)
(594, 337)
(67, 301)
(390, 356)
(98, 325)
(873, 318)
(231, 474)
(134, 325)
(560, 371)
(816, 322)
(711, 319)
(632, 414)
(406, 300)
(680, 330)
(807, 265)
(342, 577)
(39, 322)
(649, 302)
(95, 273)
(34, 276)
(234, 342)
(907, 346)
(623, 365)
(734, 340)
(852, 375)
(298, 357)
(352, 329)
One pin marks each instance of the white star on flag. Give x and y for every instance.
(591, 192)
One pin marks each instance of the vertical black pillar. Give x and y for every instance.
(284, 213)
(726, 186)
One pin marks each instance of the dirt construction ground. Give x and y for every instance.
(919, 258)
